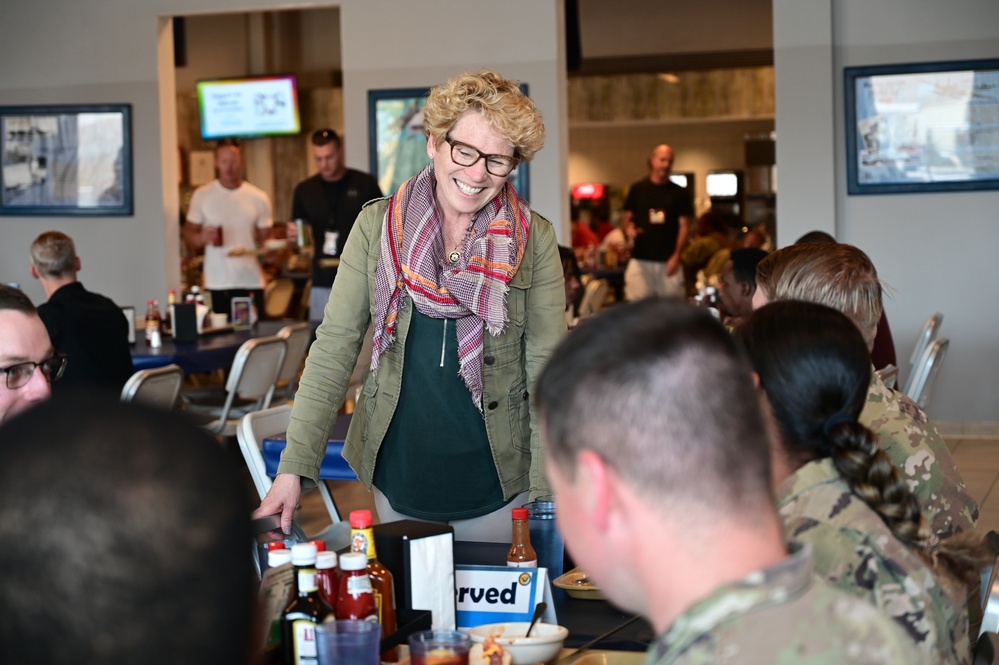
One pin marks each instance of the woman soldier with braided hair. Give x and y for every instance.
(838, 492)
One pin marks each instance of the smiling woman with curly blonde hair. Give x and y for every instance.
(462, 284)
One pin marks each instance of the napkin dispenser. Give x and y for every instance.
(421, 558)
(185, 324)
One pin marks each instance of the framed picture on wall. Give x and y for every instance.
(927, 127)
(66, 160)
(398, 148)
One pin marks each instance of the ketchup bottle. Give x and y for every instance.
(355, 598)
(326, 577)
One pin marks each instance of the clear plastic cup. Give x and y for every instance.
(439, 647)
(348, 642)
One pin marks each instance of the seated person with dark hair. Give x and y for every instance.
(126, 538)
(738, 284)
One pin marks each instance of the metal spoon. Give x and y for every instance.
(538, 611)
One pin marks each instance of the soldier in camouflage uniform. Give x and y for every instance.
(917, 449)
(657, 451)
(842, 277)
(855, 551)
(783, 614)
(838, 491)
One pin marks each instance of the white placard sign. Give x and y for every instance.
(492, 594)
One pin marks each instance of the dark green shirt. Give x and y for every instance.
(435, 462)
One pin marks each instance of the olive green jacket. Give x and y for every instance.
(511, 364)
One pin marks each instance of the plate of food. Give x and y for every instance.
(578, 585)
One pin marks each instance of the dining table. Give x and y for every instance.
(213, 349)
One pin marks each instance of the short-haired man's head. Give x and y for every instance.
(744, 262)
(813, 364)
(658, 389)
(235, 144)
(814, 237)
(322, 137)
(54, 254)
(836, 275)
(142, 539)
(15, 300)
(505, 106)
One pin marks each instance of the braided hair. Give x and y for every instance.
(814, 366)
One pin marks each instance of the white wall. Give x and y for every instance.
(71, 52)
(935, 250)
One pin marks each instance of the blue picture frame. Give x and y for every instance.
(67, 160)
(926, 127)
(397, 146)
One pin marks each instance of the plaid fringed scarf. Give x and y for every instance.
(412, 260)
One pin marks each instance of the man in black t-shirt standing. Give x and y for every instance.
(657, 216)
(329, 202)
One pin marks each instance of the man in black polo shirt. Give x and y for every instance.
(88, 327)
(657, 215)
(329, 202)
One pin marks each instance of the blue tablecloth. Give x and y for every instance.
(208, 353)
(334, 466)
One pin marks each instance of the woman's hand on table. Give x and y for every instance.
(282, 498)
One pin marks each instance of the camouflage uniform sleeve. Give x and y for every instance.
(783, 615)
(917, 449)
(857, 553)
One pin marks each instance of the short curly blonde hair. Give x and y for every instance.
(509, 110)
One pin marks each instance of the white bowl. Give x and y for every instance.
(542, 646)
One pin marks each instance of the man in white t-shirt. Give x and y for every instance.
(230, 218)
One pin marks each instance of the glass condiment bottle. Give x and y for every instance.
(306, 609)
(168, 311)
(362, 539)
(152, 319)
(355, 598)
(521, 554)
(277, 558)
(326, 577)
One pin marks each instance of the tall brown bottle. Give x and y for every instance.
(362, 539)
(304, 611)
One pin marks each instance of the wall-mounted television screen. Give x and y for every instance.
(723, 184)
(250, 107)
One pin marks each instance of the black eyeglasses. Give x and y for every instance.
(18, 375)
(465, 155)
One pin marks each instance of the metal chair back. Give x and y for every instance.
(159, 386)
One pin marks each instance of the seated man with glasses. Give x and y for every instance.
(24, 348)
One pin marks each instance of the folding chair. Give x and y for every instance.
(297, 336)
(277, 297)
(924, 373)
(926, 336)
(594, 295)
(253, 429)
(888, 375)
(252, 379)
(159, 386)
